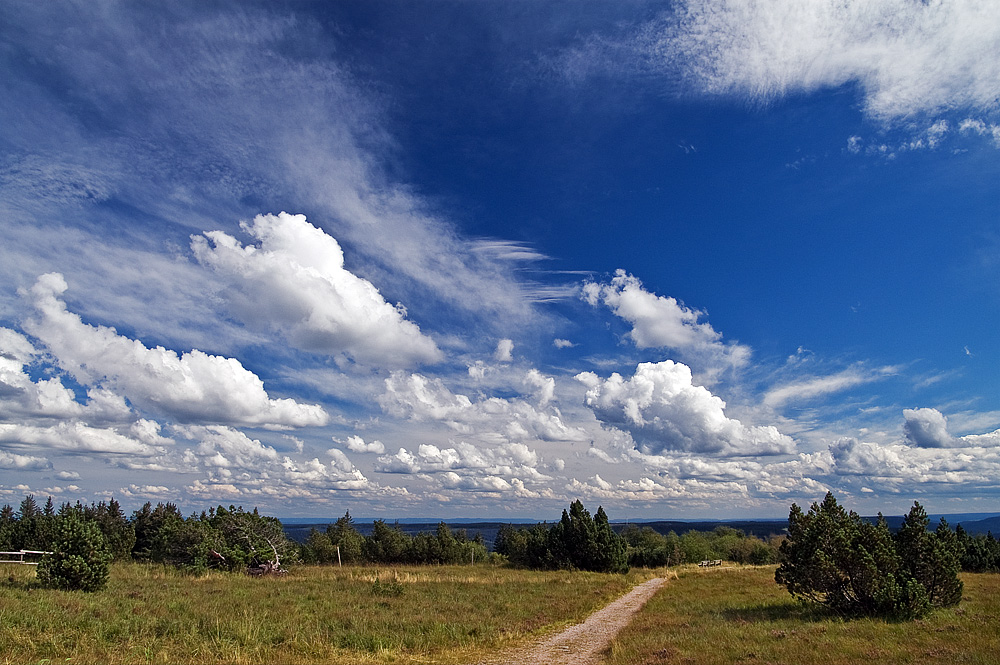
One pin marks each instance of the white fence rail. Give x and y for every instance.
(19, 556)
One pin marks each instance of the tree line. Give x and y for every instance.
(589, 543)
(227, 538)
(980, 553)
(647, 548)
(341, 543)
(234, 539)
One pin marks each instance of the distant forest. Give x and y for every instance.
(235, 539)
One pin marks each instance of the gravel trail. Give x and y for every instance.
(583, 643)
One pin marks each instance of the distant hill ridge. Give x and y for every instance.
(298, 528)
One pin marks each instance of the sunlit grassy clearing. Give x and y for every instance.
(740, 615)
(151, 614)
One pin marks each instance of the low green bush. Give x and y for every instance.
(80, 559)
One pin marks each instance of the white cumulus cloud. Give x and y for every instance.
(294, 280)
(544, 386)
(357, 445)
(420, 398)
(74, 437)
(926, 428)
(663, 322)
(663, 410)
(228, 447)
(22, 397)
(192, 386)
(22, 462)
(503, 351)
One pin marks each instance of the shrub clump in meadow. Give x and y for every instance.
(856, 567)
(392, 588)
(80, 559)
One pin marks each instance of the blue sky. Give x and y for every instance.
(689, 259)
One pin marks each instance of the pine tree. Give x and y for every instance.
(343, 535)
(855, 567)
(611, 552)
(932, 558)
(579, 541)
(151, 527)
(317, 548)
(28, 535)
(119, 533)
(80, 559)
(8, 528)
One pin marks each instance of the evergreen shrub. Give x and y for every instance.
(845, 562)
(80, 558)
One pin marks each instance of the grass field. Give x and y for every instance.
(458, 614)
(740, 615)
(429, 614)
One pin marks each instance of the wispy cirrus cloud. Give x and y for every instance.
(907, 57)
(813, 387)
(261, 121)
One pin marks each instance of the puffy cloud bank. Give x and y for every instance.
(419, 398)
(192, 386)
(239, 465)
(506, 468)
(22, 462)
(75, 438)
(664, 411)
(294, 280)
(22, 397)
(928, 428)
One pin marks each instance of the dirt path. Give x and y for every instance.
(583, 643)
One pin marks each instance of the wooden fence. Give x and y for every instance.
(19, 557)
